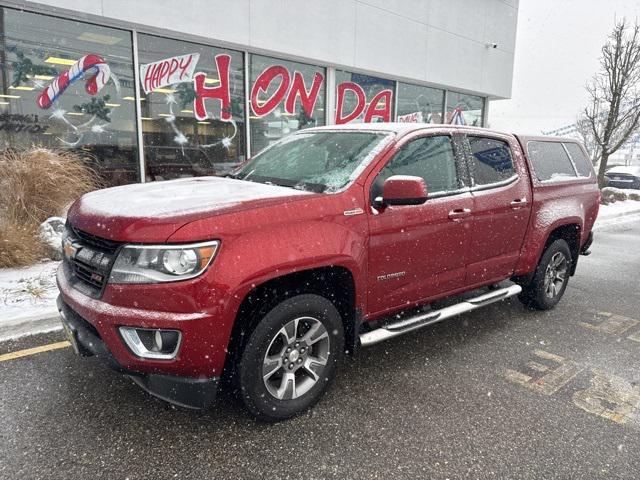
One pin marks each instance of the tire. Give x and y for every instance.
(281, 374)
(550, 279)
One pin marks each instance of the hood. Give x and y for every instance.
(151, 212)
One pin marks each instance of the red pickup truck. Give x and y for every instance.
(330, 239)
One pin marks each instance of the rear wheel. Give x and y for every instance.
(291, 357)
(550, 279)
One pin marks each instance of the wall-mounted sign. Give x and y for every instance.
(168, 71)
(415, 117)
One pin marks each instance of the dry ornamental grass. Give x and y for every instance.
(34, 185)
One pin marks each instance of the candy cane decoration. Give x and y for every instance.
(89, 65)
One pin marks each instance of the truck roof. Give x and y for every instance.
(395, 127)
(404, 128)
(523, 139)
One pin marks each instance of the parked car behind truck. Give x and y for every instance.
(624, 177)
(326, 241)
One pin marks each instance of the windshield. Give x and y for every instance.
(318, 161)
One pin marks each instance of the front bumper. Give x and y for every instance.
(186, 392)
(205, 329)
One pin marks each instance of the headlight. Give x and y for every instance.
(162, 263)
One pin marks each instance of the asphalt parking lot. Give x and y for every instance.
(501, 392)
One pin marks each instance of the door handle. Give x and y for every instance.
(518, 203)
(459, 213)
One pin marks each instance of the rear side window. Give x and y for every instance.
(431, 158)
(550, 161)
(580, 160)
(491, 160)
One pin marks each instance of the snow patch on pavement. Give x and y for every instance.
(617, 209)
(28, 292)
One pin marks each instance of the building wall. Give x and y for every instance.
(440, 42)
(251, 72)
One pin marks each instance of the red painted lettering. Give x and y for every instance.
(307, 98)
(148, 78)
(164, 69)
(262, 84)
(383, 111)
(173, 66)
(220, 92)
(359, 92)
(183, 66)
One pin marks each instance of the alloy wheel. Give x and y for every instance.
(296, 358)
(555, 274)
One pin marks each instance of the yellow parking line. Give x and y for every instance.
(33, 351)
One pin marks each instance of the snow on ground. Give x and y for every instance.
(29, 291)
(618, 208)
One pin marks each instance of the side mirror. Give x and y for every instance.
(403, 190)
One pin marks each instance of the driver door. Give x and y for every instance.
(417, 252)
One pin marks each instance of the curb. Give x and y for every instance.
(32, 325)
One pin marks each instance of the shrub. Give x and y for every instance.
(34, 185)
(612, 195)
(19, 245)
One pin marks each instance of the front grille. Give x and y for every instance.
(90, 261)
(102, 243)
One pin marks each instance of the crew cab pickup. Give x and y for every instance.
(331, 239)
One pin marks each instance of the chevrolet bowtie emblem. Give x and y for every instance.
(69, 249)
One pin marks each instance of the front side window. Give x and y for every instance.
(491, 160)
(315, 161)
(550, 161)
(431, 158)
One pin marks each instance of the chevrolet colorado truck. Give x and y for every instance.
(331, 239)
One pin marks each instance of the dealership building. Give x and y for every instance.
(158, 89)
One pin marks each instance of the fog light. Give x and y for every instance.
(152, 343)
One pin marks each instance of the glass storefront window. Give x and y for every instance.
(69, 85)
(285, 97)
(192, 102)
(418, 104)
(361, 98)
(464, 109)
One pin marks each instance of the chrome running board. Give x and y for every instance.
(413, 323)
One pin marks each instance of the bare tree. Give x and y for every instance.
(583, 127)
(613, 113)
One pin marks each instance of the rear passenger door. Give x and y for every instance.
(501, 193)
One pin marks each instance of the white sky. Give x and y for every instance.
(557, 50)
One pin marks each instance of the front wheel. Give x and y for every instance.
(550, 279)
(291, 357)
